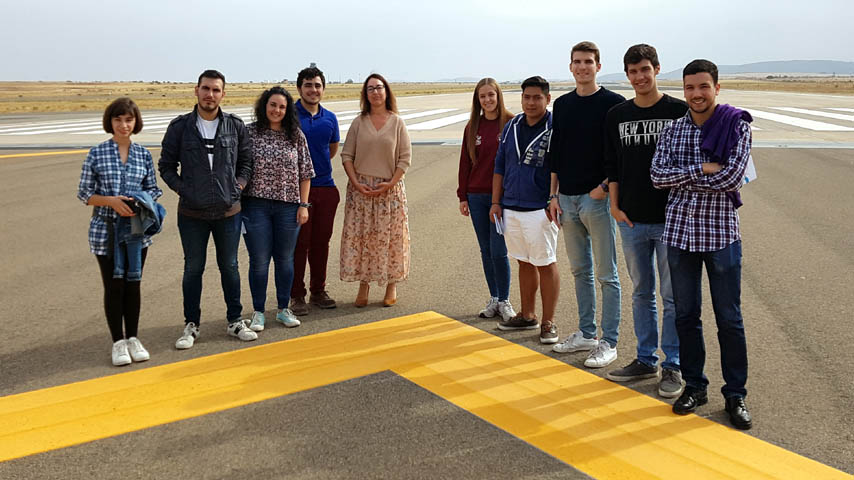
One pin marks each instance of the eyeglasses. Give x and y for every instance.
(378, 88)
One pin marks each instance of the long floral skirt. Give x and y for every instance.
(375, 236)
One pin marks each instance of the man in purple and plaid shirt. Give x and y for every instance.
(701, 226)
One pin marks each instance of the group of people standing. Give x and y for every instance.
(272, 182)
(663, 171)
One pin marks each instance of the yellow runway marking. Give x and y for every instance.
(598, 427)
(48, 153)
(43, 154)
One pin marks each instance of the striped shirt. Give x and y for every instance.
(699, 217)
(104, 174)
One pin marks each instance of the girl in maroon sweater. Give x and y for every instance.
(477, 162)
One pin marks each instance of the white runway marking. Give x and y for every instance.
(439, 122)
(817, 113)
(442, 117)
(800, 122)
(351, 114)
(408, 116)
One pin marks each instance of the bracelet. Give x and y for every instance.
(496, 203)
(555, 195)
(604, 187)
(305, 205)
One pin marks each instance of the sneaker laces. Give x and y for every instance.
(668, 375)
(190, 330)
(600, 350)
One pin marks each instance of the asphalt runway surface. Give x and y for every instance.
(796, 297)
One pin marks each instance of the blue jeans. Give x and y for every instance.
(194, 238)
(271, 233)
(589, 232)
(493, 251)
(642, 249)
(723, 268)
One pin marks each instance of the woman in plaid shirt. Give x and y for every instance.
(112, 172)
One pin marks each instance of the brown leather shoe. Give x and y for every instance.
(299, 307)
(362, 296)
(322, 300)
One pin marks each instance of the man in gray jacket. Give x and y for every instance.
(213, 151)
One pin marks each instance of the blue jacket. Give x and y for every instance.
(130, 231)
(527, 176)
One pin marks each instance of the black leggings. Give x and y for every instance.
(121, 299)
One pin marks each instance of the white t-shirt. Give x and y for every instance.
(207, 128)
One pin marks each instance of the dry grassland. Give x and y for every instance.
(829, 85)
(21, 97)
(29, 97)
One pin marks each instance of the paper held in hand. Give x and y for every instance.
(750, 171)
(499, 224)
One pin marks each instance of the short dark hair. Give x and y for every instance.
(211, 74)
(122, 106)
(585, 47)
(536, 81)
(390, 101)
(638, 53)
(701, 66)
(290, 123)
(309, 73)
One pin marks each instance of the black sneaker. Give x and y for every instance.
(519, 323)
(636, 370)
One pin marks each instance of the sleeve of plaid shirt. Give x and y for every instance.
(149, 183)
(87, 179)
(666, 171)
(731, 175)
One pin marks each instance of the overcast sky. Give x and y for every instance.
(416, 41)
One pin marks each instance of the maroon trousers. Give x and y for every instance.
(313, 240)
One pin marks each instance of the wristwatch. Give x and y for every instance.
(604, 187)
(554, 195)
(306, 205)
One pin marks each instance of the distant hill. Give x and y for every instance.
(459, 80)
(784, 67)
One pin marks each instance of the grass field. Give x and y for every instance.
(21, 97)
(29, 97)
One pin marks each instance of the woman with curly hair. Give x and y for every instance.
(275, 201)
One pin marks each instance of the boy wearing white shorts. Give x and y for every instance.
(520, 196)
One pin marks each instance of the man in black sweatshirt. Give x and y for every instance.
(631, 133)
(579, 194)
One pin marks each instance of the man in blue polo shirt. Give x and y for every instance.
(320, 127)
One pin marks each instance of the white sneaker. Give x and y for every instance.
(506, 310)
(138, 353)
(491, 309)
(188, 338)
(240, 330)
(120, 353)
(287, 318)
(576, 343)
(257, 323)
(601, 356)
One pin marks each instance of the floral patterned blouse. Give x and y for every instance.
(278, 165)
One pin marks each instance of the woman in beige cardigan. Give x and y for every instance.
(376, 154)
